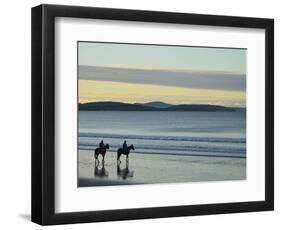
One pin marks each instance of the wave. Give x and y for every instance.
(207, 146)
(164, 138)
(176, 149)
(215, 154)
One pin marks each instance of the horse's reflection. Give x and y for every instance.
(100, 171)
(124, 173)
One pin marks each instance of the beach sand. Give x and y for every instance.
(157, 168)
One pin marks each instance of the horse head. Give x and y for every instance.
(107, 146)
(132, 147)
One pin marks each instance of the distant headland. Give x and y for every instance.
(154, 106)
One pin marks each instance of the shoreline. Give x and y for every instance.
(171, 154)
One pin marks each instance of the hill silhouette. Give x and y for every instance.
(152, 106)
(156, 104)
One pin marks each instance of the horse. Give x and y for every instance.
(101, 151)
(121, 151)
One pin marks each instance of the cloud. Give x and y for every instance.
(186, 79)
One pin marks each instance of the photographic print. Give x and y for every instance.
(160, 114)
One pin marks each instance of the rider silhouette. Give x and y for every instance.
(125, 146)
(101, 145)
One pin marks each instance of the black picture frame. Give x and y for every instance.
(43, 114)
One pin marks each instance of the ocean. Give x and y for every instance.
(169, 133)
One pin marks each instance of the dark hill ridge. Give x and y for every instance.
(119, 106)
(156, 104)
(115, 106)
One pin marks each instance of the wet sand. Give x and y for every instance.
(157, 168)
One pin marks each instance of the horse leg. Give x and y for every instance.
(127, 163)
(118, 158)
(127, 157)
(96, 160)
(97, 157)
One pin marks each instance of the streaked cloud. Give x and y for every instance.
(188, 79)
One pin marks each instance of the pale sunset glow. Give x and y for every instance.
(92, 91)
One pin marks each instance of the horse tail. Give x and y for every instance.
(119, 152)
(96, 153)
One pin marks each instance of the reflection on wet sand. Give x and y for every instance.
(100, 171)
(124, 173)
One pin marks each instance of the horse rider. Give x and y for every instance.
(101, 145)
(125, 146)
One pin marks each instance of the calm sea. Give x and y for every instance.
(184, 133)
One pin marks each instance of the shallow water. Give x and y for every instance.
(173, 133)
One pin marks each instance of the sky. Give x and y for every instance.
(173, 74)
